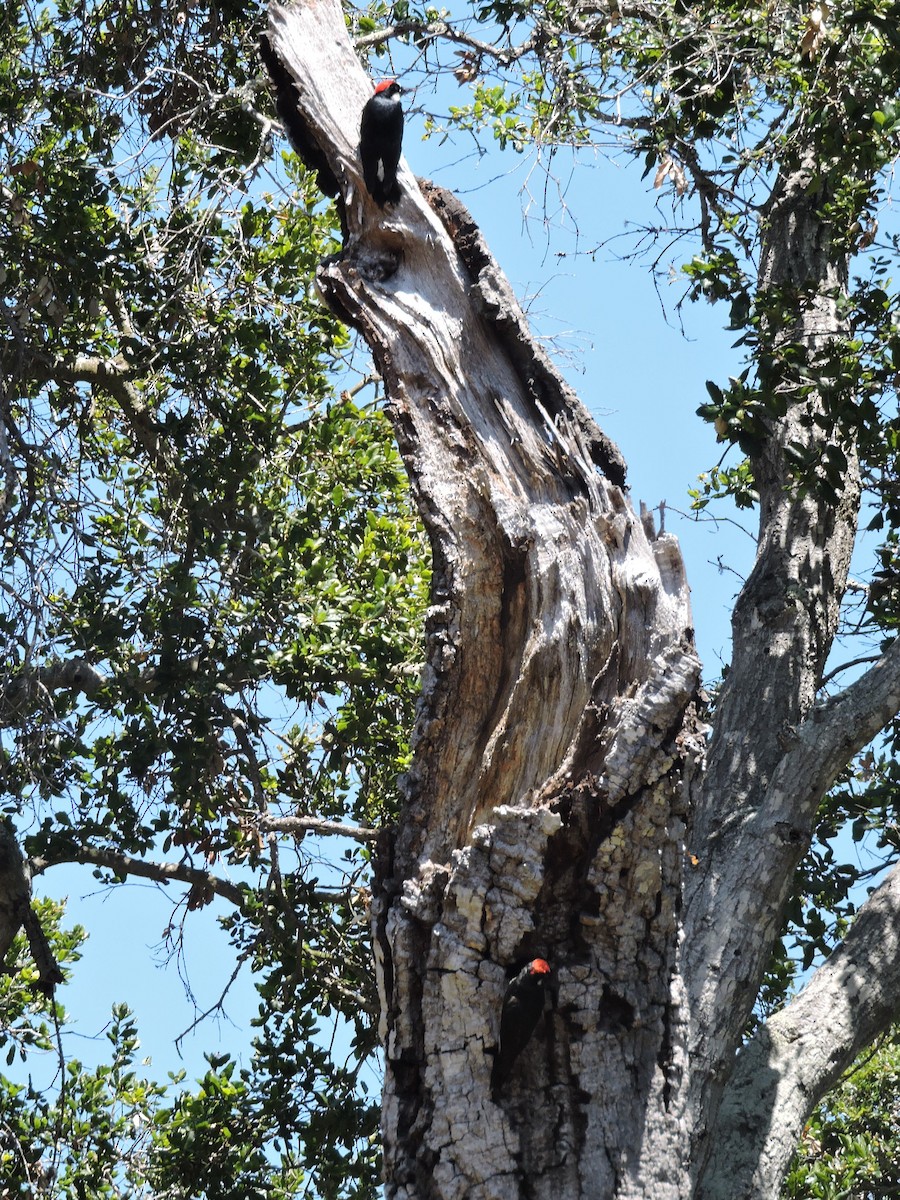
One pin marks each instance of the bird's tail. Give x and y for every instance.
(382, 191)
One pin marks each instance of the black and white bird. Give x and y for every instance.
(523, 1005)
(380, 142)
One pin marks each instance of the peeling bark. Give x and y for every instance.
(558, 804)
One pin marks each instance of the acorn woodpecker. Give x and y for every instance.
(523, 1005)
(380, 139)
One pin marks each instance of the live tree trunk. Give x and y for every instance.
(559, 804)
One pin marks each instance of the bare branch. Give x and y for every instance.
(300, 826)
(23, 688)
(218, 1006)
(81, 676)
(793, 1060)
(160, 872)
(840, 727)
(113, 375)
(165, 873)
(846, 666)
(275, 885)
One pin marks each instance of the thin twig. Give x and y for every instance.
(854, 662)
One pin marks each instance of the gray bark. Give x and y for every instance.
(752, 822)
(21, 693)
(802, 1051)
(16, 913)
(558, 803)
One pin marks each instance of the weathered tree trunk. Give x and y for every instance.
(558, 803)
